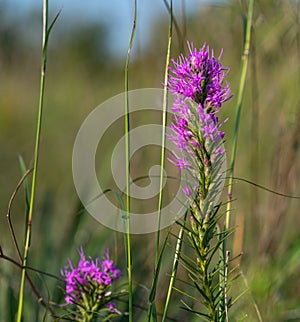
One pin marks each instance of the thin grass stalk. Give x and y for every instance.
(255, 156)
(180, 35)
(36, 158)
(127, 158)
(240, 94)
(163, 135)
(152, 314)
(259, 317)
(298, 43)
(174, 270)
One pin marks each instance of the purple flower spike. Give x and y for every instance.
(200, 77)
(197, 81)
(198, 84)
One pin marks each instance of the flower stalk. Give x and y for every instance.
(198, 83)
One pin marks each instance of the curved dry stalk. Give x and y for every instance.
(8, 214)
(15, 242)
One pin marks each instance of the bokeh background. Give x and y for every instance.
(86, 60)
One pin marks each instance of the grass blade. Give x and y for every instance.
(127, 156)
(45, 34)
(174, 270)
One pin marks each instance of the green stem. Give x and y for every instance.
(36, 157)
(163, 135)
(86, 311)
(174, 270)
(244, 65)
(87, 318)
(205, 276)
(127, 156)
(152, 309)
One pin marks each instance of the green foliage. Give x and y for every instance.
(268, 237)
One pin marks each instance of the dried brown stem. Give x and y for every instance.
(14, 238)
(8, 214)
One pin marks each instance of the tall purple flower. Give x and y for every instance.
(198, 84)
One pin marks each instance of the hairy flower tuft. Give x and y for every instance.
(88, 284)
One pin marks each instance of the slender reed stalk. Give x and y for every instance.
(244, 65)
(163, 135)
(127, 157)
(240, 94)
(259, 317)
(36, 157)
(175, 24)
(152, 314)
(255, 154)
(174, 270)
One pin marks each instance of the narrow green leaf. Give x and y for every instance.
(152, 314)
(197, 312)
(201, 291)
(157, 270)
(11, 303)
(189, 264)
(187, 295)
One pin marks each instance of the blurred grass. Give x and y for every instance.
(82, 75)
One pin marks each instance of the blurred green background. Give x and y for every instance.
(86, 63)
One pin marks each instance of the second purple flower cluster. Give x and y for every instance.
(88, 275)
